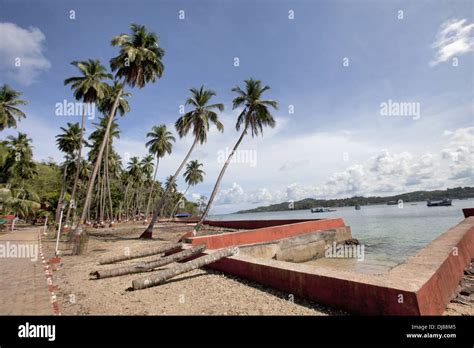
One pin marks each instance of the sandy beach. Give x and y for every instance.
(200, 292)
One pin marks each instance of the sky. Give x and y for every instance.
(375, 97)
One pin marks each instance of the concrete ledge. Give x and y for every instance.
(264, 234)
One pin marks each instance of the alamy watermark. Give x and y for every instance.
(240, 156)
(343, 251)
(13, 250)
(403, 109)
(66, 108)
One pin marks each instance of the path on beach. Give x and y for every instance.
(23, 287)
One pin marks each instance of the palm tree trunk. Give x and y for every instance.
(78, 168)
(148, 233)
(90, 185)
(152, 185)
(61, 196)
(176, 206)
(108, 183)
(125, 199)
(218, 182)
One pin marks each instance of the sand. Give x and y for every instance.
(201, 292)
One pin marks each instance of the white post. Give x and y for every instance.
(59, 231)
(45, 223)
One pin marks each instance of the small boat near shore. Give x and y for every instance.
(357, 207)
(321, 210)
(439, 203)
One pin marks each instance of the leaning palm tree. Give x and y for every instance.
(89, 88)
(192, 176)
(9, 111)
(253, 118)
(198, 121)
(159, 145)
(69, 142)
(138, 63)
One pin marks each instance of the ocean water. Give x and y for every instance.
(389, 234)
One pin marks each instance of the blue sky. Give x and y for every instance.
(336, 143)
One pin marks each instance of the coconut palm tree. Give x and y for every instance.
(19, 162)
(88, 88)
(159, 145)
(192, 176)
(135, 175)
(9, 111)
(254, 117)
(196, 121)
(138, 63)
(69, 142)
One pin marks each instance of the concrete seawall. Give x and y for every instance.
(422, 285)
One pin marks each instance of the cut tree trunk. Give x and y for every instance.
(162, 276)
(141, 253)
(146, 266)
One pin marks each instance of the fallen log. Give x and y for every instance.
(146, 266)
(162, 276)
(141, 253)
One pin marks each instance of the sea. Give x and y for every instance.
(389, 233)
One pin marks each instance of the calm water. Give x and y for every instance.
(390, 234)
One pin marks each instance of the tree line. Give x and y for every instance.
(99, 187)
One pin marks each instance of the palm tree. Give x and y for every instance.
(89, 88)
(192, 176)
(138, 63)
(69, 142)
(159, 145)
(135, 175)
(198, 120)
(254, 117)
(19, 162)
(9, 112)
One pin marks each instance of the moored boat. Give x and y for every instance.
(321, 210)
(439, 203)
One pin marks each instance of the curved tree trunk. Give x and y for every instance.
(218, 182)
(148, 233)
(90, 185)
(78, 169)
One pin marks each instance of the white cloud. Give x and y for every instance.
(27, 45)
(453, 39)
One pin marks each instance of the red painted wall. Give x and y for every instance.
(438, 291)
(265, 234)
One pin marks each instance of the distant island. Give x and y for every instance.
(416, 196)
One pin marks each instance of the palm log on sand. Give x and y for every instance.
(146, 266)
(141, 253)
(162, 276)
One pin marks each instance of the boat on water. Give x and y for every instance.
(439, 203)
(321, 210)
(357, 207)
